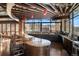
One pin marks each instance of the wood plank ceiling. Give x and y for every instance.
(3, 13)
(54, 10)
(37, 10)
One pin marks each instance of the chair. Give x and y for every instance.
(16, 49)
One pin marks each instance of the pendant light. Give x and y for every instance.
(32, 16)
(45, 12)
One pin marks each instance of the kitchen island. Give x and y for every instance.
(37, 47)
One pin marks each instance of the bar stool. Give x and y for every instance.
(16, 49)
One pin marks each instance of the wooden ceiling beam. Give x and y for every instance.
(61, 9)
(40, 8)
(53, 6)
(25, 10)
(4, 16)
(8, 21)
(56, 10)
(74, 8)
(64, 9)
(3, 5)
(50, 9)
(29, 7)
(47, 9)
(62, 17)
(70, 9)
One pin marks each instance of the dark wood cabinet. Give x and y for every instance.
(68, 45)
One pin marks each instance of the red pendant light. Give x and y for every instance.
(23, 17)
(45, 12)
(32, 15)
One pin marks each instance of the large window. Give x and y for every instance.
(51, 27)
(41, 25)
(9, 28)
(74, 16)
(76, 25)
(76, 21)
(45, 27)
(37, 27)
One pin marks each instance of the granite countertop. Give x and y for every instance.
(67, 37)
(38, 42)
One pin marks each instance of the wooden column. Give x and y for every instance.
(61, 26)
(69, 24)
(20, 27)
(72, 24)
(65, 25)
